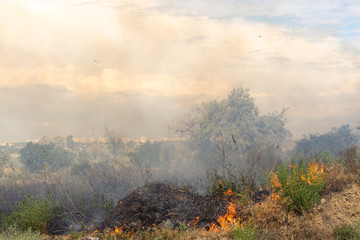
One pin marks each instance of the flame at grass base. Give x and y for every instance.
(226, 221)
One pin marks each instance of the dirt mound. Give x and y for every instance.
(340, 208)
(158, 203)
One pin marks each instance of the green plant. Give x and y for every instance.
(76, 235)
(13, 232)
(299, 184)
(182, 227)
(32, 213)
(246, 231)
(346, 232)
(220, 185)
(326, 157)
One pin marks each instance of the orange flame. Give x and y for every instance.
(227, 220)
(260, 189)
(229, 192)
(193, 222)
(118, 230)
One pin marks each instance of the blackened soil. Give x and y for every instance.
(158, 203)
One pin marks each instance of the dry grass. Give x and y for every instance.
(339, 176)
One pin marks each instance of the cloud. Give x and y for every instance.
(44, 124)
(41, 110)
(150, 59)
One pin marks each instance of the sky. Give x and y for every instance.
(79, 66)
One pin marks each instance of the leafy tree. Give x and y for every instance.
(230, 128)
(58, 141)
(115, 141)
(70, 142)
(335, 141)
(148, 154)
(37, 156)
(4, 158)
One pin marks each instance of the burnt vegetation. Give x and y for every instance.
(221, 161)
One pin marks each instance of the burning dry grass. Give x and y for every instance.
(340, 204)
(157, 203)
(163, 211)
(169, 212)
(275, 222)
(271, 217)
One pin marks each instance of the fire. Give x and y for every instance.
(313, 175)
(118, 233)
(322, 168)
(227, 220)
(118, 230)
(229, 193)
(260, 189)
(193, 222)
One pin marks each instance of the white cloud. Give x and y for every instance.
(139, 48)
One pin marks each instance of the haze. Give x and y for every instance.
(67, 67)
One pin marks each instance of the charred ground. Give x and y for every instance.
(159, 203)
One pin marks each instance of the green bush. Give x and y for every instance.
(13, 232)
(346, 232)
(219, 185)
(236, 182)
(33, 214)
(36, 157)
(299, 184)
(246, 232)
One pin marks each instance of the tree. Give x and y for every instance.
(70, 142)
(4, 159)
(58, 141)
(37, 156)
(335, 141)
(149, 154)
(231, 127)
(115, 141)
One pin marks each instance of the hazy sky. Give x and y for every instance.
(70, 66)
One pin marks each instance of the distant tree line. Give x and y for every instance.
(335, 141)
(37, 156)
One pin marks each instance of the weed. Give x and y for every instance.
(346, 232)
(219, 185)
(32, 213)
(246, 231)
(76, 235)
(182, 227)
(13, 232)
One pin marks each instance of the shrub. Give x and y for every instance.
(33, 214)
(219, 184)
(236, 182)
(346, 232)
(336, 141)
(37, 156)
(247, 231)
(13, 232)
(299, 184)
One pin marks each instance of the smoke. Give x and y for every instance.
(136, 65)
